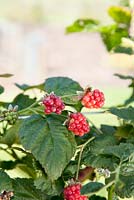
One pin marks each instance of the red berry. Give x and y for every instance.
(93, 99)
(53, 104)
(78, 124)
(72, 192)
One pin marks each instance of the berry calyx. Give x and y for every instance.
(93, 99)
(72, 192)
(53, 104)
(78, 124)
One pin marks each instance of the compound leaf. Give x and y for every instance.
(49, 141)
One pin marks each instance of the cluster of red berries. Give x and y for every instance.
(78, 124)
(53, 104)
(72, 192)
(93, 99)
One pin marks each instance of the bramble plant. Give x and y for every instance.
(117, 36)
(63, 154)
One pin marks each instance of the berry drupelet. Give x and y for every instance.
(53, 104)
(93, 99)
(78, 124)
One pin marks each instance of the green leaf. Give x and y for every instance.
(7, 165)
(5, 182)
(127, 169)
(83, 25)
(63, 86)
(121, 151)
(120, 14)
(112, 35)
(23, 101)
(11, 135)
(100, 161)
(125, 187)
(97, 146)
(49, 141)
(1, 89)
(107, 129)
(57, 198)
(131, 85)
(91, 187)
(94, 154)
(124, 131)
(50, 188)
(95, 197)
(124, 113)
(125, 50)
(24, 189)
(26, 87)
(5, 75)
(124, 77)
(27, 164)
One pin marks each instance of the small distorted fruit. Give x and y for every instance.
(53, 104)
(78, 124)
(72, 192)
(93, 98)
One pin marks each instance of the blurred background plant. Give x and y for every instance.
(118, 36)
(34, 46)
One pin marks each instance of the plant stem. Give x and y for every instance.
(94, 113)
(97, 130)
(69, 95)
(80, 155)
(111, 192)
(31, 106)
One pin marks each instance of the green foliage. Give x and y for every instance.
(111, 34)
(95, 154)
(121, 49)
(125, 187)
(26, 87)
(24, 189)
(49, 141)
(11, 135)
(83, 25)
(131, 85)
(1, 89)
(91, 187)
(64, 87)
(95, 197)
(50, 188)
(23, 101)
(126, 114)
(120, 15)
(6, 182)
(50, 155)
